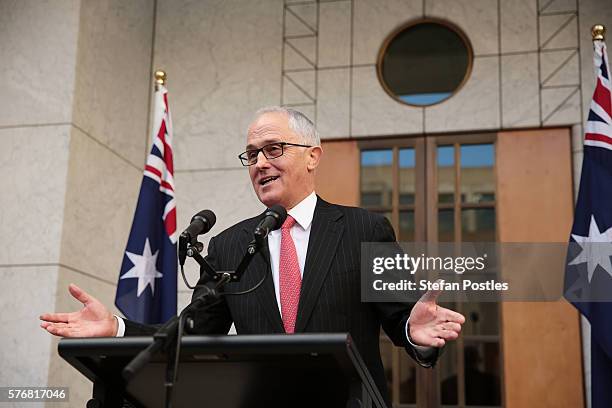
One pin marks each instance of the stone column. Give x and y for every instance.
(73, 123)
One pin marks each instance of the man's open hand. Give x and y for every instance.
(93, 320)
(432, 325)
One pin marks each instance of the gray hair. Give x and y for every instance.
(298, 122)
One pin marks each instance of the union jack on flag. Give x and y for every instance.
(588, 276)
(599, 125)
(147, 288)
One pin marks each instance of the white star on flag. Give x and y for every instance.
(144, 268)
(598, 254)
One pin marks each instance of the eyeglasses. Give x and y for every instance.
(270, 151)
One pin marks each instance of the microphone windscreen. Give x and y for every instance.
(282, 215)
(208, 215)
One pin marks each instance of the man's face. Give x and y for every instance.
(285, 180)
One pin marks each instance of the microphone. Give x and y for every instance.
(201, 223)
(273, 219)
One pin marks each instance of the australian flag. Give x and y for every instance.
(588, 276)
(146, 291)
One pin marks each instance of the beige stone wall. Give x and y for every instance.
(223, 63)
(38, 71)
(526, 72)
(74, 130)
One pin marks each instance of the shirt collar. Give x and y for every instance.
(303, 212)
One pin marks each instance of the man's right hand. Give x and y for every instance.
(93, 320)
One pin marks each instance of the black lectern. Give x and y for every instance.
(300, 370)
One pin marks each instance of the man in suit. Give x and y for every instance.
(312, 263)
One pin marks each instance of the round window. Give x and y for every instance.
(424, 62)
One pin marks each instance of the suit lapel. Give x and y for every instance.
(260, 267)
(325, 234)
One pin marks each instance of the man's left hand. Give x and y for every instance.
(432, 325)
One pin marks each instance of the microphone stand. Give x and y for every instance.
(168, 337)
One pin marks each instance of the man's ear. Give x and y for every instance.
(314, 157)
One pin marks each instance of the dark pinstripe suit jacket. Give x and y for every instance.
(330, 299)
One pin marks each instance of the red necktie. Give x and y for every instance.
(290, 279)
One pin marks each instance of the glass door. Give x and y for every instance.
(440, 189)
